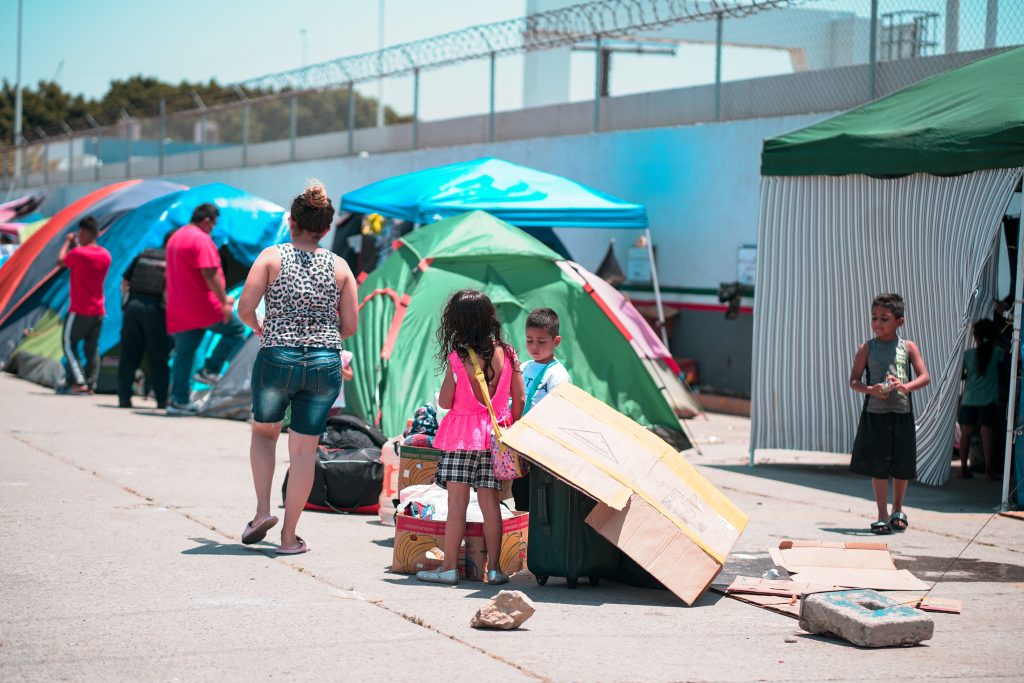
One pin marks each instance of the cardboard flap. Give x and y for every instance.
(655, 543)
(611, 458)
(849, 565)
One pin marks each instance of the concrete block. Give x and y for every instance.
(864, 617)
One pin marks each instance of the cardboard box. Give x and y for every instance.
(414, 538)
(848, 565)
(417, 465)
(652, 503)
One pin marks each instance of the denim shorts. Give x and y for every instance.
(307, 378)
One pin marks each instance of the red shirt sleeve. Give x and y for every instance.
(70, 257)
(206, 254)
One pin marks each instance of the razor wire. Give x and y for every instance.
(539, 31)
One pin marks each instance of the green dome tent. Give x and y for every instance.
(400, 310)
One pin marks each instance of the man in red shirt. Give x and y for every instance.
(197, 301)
(88, 264)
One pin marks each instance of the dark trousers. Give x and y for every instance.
(77, 329)
(144, 331)
(185, 346)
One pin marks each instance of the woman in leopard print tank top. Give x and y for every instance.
(311, 306)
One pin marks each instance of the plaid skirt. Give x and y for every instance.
(466, 467)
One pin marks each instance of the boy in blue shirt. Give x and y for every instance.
(541, 374)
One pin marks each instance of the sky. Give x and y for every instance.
(86, 43)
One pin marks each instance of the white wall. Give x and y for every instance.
(700, 185)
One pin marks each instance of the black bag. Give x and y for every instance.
(345, 480)
(350, 432)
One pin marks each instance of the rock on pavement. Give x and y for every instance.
(508, 610)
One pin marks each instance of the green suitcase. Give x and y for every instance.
(561, 543)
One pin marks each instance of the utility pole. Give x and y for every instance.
(18, 103)
(380, 47)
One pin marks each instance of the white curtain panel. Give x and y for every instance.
(827, 245)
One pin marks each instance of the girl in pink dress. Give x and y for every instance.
(470, 321)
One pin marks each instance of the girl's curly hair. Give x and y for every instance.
(470, 321)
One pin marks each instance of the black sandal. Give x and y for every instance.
(880, 528)
(899, 521)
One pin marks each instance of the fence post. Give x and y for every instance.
(163, 135)
(246, 112)
(490, 115)
(952, 26)
(71, 150)
(96, 137)
(598, 62)
(46, 155)
(293, 124)
(719, 21)
(991, 23)
(415, 108)
(873, 52)
(351, 117)
(202, 129)
(127, 120)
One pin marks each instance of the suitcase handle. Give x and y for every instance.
(542, 505)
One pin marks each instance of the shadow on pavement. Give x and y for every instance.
(208, 547)
(956, 495)
(555, 592)
(852, 532)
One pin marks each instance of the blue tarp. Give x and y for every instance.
(518, 195)
(247, 224)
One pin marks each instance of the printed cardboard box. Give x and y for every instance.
(417, 465)
(652, 503)
(415, 538)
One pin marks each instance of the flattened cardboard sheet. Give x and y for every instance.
(848, 565)
(656, 544)
(611, 458)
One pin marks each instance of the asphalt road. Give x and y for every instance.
(119, 559)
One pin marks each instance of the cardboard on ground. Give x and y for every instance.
(652, 503)
(849, 565)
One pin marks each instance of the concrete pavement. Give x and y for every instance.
(119, 560)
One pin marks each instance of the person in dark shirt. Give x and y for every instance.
(144, 326)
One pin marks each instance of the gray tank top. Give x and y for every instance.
(302, 302)
(884, 359)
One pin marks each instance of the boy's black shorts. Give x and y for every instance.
(886, 446)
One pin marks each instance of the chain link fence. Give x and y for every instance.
(790, 57)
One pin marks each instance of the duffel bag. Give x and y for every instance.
(345, 480)
(350, 432)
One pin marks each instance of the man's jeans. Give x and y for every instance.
(185, 345)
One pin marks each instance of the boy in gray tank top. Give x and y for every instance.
(886, 443)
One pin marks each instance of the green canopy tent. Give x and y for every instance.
(400, 309)
(904, 194)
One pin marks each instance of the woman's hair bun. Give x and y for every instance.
(316, 196)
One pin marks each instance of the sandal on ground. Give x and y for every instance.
(254, 533)
(449, 577)
(297, 550)
(965, 474)
(898, 521)
(880, 528)
(496, 577)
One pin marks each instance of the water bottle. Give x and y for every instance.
(389, 490)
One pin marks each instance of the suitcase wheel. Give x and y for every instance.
(542, 580)
(571, 583)
(595, 580)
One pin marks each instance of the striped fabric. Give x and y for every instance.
(826, 247)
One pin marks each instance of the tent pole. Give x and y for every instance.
(657, 289)
(1011, 418)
